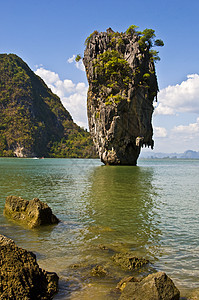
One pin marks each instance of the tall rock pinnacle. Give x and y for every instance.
(122, 87)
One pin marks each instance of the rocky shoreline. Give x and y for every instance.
(22, 278)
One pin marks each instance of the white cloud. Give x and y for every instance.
(73, 96)
(178, 139)
(184, 137)
(192, 130)
(78, 64)
(182, 97)
(48, 76)
(71, 59)
(160, 132)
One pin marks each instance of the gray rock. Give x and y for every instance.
(33, 213)
(120, 98)
(157, 286)
(20, 275)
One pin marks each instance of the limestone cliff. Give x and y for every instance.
(33, 121)
(122, 87)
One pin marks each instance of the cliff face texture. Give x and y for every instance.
(20, 275)
(122, 87)
(31, 115)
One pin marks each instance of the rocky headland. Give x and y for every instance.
(33, 121)
(122, 87)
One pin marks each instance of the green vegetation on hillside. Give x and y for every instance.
(33, 119)
(76, 143)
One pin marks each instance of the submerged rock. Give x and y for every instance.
(123, 282)
(129, 261)
(157, 286)
(33, 213)
(122, 87)
(20, 275)
(193, 295)
(99, 271)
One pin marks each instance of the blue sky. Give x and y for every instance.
(47, 34)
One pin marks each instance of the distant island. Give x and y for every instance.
(33, 121)
(189, 154)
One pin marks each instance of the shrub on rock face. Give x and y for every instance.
(20, 275)
(157, 286)
(33, 213)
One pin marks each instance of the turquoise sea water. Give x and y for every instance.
(151, 209)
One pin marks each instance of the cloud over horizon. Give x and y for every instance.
(183, 97)
(160, 132)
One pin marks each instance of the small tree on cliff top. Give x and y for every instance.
(146, 39)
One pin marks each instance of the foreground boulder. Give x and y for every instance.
(20, 275)
(157, 286)
(122, 87)
(32, 213)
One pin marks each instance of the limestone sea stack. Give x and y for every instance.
(122, 87)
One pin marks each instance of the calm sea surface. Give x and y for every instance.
(151, 210)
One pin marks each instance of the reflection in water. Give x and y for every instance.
(122, 200)
(122, 209)
(112, 206)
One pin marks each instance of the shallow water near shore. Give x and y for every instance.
(151, 210)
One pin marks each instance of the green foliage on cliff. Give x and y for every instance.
(113, 71)
(78, 58)
(76, 143)
(33, 119)
(146, 40)
(112, 68)
(131, 30)
(87, 41)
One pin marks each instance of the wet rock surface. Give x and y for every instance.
(20, 275)
(122, 88)
(32, 213)
(123, 282)
(157, 286)
(129, 261)
(99, 271)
